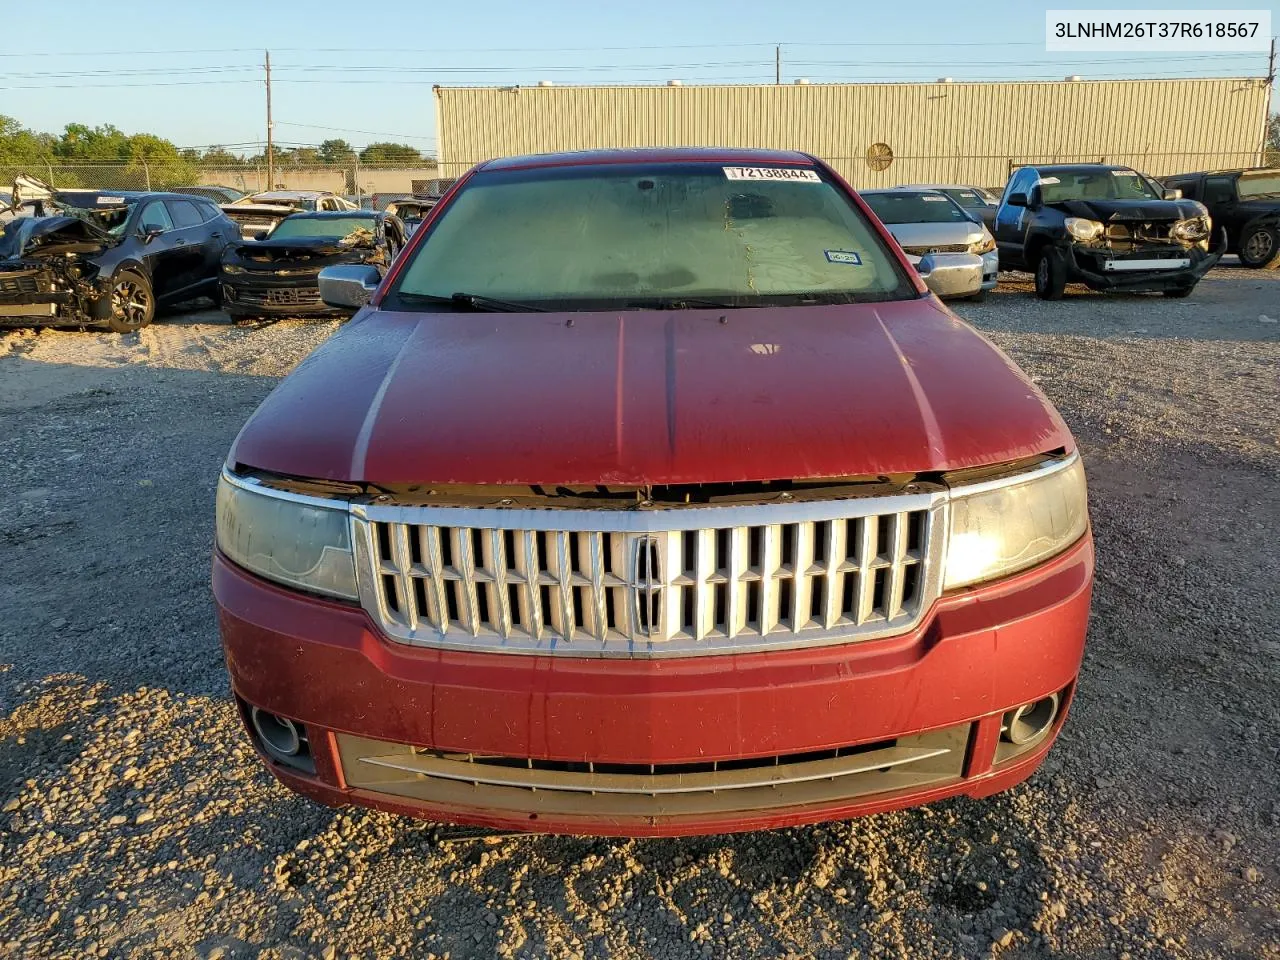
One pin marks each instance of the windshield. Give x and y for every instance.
(1060, 185)
(636, 236)
(336, 227)
(1265, 185)
(110, 218)
(308, 204)
(903, 206)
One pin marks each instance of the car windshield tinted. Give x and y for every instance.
(111, 217)
(651, 235)
(1057, 186)
(1259, 185)
(907, 207)
(337, 227)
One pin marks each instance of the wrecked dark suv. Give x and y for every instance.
(278, 274)
(109, 259)
(1108, 227)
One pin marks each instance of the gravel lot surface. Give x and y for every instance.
(137, 823)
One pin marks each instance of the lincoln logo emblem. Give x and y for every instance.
(645, 584)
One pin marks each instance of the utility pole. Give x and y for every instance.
(777, 63)
(271, 160)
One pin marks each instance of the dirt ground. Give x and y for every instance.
(137, 823)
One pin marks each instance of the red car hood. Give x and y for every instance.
(676, 396)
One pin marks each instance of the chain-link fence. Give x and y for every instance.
(864, 172)
(249, 177)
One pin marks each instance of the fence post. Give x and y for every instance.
(146, 171)
(49, 166)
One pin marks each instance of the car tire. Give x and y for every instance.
(1051, 275)
(133, 304)
(1179, 292)
(1260, 247)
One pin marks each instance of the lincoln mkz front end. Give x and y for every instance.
(576, 552)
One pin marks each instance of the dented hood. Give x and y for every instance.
(1120, 210)
(649, 398)
(28, 235)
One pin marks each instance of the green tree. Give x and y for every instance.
(1273, 141)
(390, 153)
(336, 151)
(222, 157)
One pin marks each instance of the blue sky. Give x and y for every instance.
(192, 70)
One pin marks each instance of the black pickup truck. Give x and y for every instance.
(1108, 227)
(1246, 203)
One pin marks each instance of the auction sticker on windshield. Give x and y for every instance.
(851, 257)
(786, 174)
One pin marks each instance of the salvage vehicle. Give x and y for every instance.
(1108, 227)
(280, 275)
(975, 200)
(1245, 203)
(260, 212)
(412, 211)
(214, 192)
(928, 223)
(109, 258)
(651, 492)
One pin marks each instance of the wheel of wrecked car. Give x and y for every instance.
(132, 304)
(1051, 275)
(1260, 247)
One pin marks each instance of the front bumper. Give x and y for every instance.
(291, 297)
(1086, 264)
(979, 653)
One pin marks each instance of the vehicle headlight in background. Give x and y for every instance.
(1002, 527)
(294, 541)
(985, 245)
(1082, 229)
(231, 268)
(1191, 230)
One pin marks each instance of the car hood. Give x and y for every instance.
(649, 398)
(26, 236)
(298, 248)
(1107, 210)
(935, 234)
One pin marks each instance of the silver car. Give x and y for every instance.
(934, 231)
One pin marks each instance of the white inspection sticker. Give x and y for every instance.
(928, 199)
(851, 257)
(111, 199)
(1048, 180)
(786, 174)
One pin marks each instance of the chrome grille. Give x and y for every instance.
(647, 583)
(920, 251)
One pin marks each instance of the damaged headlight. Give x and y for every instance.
(1003, 526)
(1082, 229)
(985, 245)
(302, 542)
(1191, 230)
(232, 268)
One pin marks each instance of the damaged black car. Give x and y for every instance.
(109, 260)
(1108, 227)
(279, 275)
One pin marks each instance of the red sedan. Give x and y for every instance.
(652, 493)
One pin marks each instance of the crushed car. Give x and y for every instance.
(1245, 203)
(258, 213)
(1108, 227)
(651, 492)
(948, 245)
(279, 275)
(412, 211)
(109, 259)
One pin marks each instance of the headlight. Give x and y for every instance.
(1002, 527)
(231, 268)
(1083, 229)
(297, 541)
(1190, 230)
(985, 245)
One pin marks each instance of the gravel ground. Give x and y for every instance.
(137, 823)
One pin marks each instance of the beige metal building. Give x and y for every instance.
(878, 134)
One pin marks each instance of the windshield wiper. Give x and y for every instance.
(474, 301)
(689, 303)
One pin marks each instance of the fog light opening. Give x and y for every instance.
(280, 735)
(1030, 721)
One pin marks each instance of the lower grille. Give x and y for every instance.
(937, 248)
(281, 297)
(523, 786)
(628, 583)
(1140, 232)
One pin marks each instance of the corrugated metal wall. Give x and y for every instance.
(954, 132)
